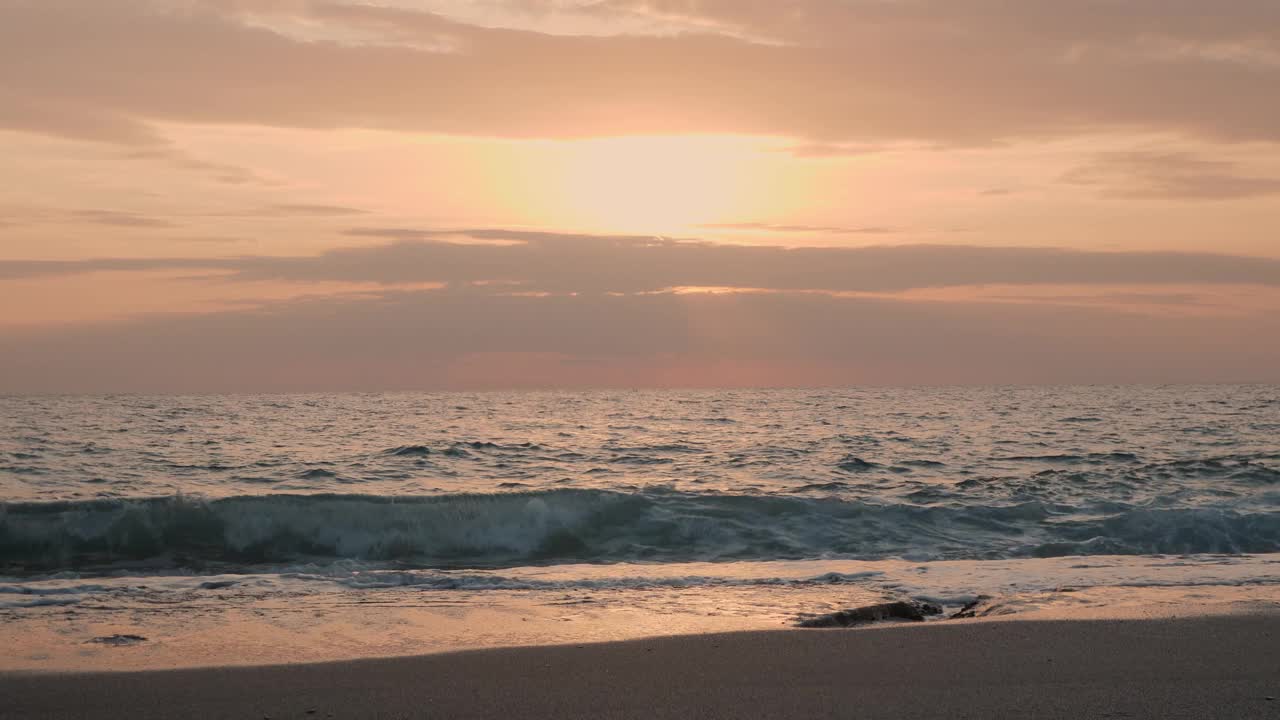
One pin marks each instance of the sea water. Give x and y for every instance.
(596, 515)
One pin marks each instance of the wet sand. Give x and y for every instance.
(1203, 667)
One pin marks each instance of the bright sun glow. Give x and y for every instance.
(658, 184)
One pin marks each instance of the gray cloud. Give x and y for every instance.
(842, 72)
(557, 263)
(1174, 175)
(562, 263)
(437, 340)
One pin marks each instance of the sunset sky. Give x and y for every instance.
(261, 195)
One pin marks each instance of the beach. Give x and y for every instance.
(648, 554)
(1199, 667)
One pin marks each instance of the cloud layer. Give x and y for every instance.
(524, 309)
(505, 261)
(430, 340)
(864, 70)
(1171, 175)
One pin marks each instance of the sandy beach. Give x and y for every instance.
(1204, 667)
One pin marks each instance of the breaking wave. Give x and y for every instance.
(595, 526)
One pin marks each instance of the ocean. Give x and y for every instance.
(258, 526)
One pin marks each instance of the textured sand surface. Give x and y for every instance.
(1209, 667)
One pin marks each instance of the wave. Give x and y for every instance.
(435, 580)
(596, 526)
(852, 463)
(408, 451)
(1090, 458)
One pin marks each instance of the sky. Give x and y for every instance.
(324, 195)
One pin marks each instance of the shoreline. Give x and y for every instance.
(137, 624)
(1200, 666)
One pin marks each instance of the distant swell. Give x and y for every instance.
(596, 526)
(408, 451)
